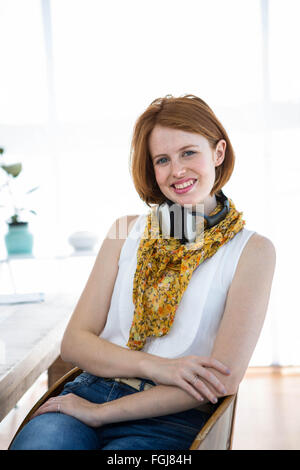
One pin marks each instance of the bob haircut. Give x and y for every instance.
(188, 113)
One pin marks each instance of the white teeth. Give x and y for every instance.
(184, 185)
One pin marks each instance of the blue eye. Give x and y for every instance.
(159, 161)
(189, 151)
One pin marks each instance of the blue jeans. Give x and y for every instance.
(57, 431)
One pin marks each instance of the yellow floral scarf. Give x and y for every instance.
(164, 269)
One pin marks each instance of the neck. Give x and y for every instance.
(210, 204)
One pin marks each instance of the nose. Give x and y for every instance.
(178, 169)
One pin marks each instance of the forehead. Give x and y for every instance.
(165, 139)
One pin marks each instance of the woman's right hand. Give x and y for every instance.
(187, 372)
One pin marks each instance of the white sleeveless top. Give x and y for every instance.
(200, 311)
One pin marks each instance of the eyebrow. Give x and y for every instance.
(182, 148)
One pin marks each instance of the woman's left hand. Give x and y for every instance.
(73, 405)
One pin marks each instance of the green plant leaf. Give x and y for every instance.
(13, 170)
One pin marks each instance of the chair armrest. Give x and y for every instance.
(217, 432)
(53, 391)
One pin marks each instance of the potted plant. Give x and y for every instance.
(18, 239)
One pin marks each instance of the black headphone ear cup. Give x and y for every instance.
(175, 222)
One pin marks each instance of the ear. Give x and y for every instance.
(219, 152)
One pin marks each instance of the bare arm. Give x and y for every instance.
(246, 308)
(158, 401)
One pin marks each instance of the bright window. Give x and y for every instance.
(23, 90)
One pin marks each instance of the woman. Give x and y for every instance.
(166, 324)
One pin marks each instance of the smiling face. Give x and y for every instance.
(184, 165)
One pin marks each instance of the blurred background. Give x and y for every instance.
(75, 76)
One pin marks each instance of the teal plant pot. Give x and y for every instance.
(18, 239)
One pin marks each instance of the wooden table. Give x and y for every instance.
(30, 336)
(31, 333)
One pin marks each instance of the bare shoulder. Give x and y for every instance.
(259, 250)
(121, 227)
(130, 220)
(257, 261)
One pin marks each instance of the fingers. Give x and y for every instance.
(198, 390)
(211, 379)
(201, 369)
(192, 391)
(50, 406)
(202, 390)
(215, 364)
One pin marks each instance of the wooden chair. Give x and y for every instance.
(216, 434)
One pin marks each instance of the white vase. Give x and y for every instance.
(83, 241)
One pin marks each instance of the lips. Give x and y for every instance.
(184, 190)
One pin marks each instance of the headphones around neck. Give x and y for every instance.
(179, 222)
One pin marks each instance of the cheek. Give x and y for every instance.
(204, 168)
(159, 175)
